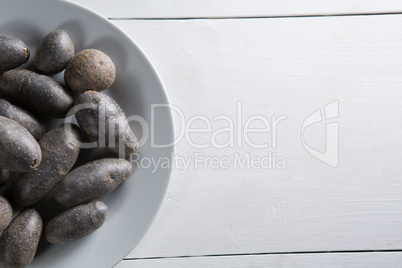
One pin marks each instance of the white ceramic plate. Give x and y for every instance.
(133, 205)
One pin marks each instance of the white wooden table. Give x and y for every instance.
(277, 60)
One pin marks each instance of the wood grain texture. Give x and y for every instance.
(279, 67)
(356, 260)
(230, 8)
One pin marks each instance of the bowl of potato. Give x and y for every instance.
(77, 113)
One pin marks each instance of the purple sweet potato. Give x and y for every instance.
(27, 120)
(20, 239)
(40, 93)
(92, 180)
(105, 123)
(76, 223)
(19, 151)
(13, 52)
(60, 148)
(54, 52)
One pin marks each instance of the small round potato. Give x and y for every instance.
(105, 123)
(60, 148)
(27, 120)
(19, 151)
(92, 180)
(20, 239)
(13, 52)
(90, 69)
(76, 223)
(6, 213)
(40, 93)
(54, 52)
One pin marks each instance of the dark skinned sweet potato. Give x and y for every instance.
(20, 239)
(27, 120)
(76, 223)
(19, 151)
(92, 180)
(104, 122)
(39, 93)
(54, 52)
(13, 52)
(60, 148)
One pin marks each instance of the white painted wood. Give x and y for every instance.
(279, 67)
(230, 8)
(356, 260)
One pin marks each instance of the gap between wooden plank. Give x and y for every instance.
(264, 17)
(269, 253)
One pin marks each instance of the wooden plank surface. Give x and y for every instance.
(230, 8)
(278, 67)
(356, 260)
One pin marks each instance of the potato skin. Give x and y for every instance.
(76, 223)
(60, 149)
(90, 69)
(92, 180)
(19, 151)
(19, 241)
(40, 93)
(13, 52)
(111, 132)
(27, 120)
(4, 176)
(6, 213)
(54, 52)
